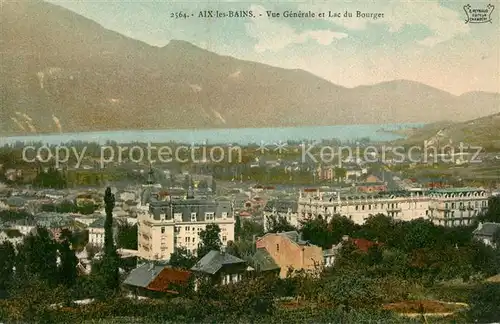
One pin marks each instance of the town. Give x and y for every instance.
(249, 162)
(192, 229)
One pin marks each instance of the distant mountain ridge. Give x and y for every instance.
(58, 65)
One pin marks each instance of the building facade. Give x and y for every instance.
(290, 252)
(457, 206)
(447, 207)
(164, 225)
(97, 232)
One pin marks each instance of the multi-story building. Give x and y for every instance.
(457, 206)
(164, 225)
(447, 207)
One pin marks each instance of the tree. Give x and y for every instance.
(50, 179)
(7, 263)
(340, 173)
(420, 234)
(37, 255)
(127, 236)
(79, 240)
(66, 235)
(66, 207)
(86, 208)
(237, 227)
(109, 245)
(31, 298)
(210, 240)
(108, 268)
(340, 226)
(182, 258)
(379, 228)
(277, 224)
(250, 229)
(317, 232)
(485, 304)
(493, 212)
(351, 291)
(67, 268)
(241, 249)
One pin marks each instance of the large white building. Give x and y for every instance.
(447, 207)
(164, 225)
(457, 206)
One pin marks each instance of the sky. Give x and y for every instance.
(424, 41)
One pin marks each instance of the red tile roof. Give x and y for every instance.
(167, 277)
(363, 244)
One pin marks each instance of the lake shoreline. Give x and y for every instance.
(242, 136)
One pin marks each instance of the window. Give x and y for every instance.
(209, 216)
(193, 217)
(163, 230)
(187, 229)
(224, 239)
(224, 215)
(186, 239)
(178, 217)
(277, 247)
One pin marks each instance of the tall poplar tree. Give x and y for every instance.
(110, 275)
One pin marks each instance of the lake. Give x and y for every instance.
(242, 136)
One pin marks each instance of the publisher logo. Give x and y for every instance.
(478, 15)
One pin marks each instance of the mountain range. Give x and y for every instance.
(64, 72)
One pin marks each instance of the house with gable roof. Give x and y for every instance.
(485, 232)
(219, 268)
(154, 279)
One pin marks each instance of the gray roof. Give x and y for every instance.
(214, 261)
(281, 206)
(487, 229)
(263, 261)
(16, 201)
(187, 206)
(52, 220)
(143, 275)
(98, 223)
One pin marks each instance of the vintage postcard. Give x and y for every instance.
(249, 161)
